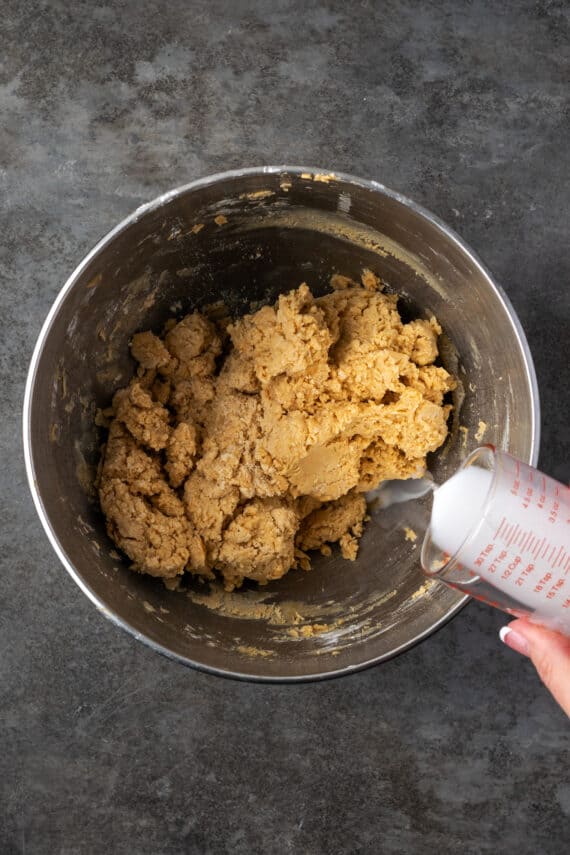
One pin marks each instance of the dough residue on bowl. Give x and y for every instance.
(240, 447)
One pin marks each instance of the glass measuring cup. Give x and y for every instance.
(507, 542)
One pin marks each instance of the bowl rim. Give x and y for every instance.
(147, 207)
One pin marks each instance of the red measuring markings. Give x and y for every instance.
(499, 530)
(512, 567)
(498, 559)
(554, 512)
(526, 541)
(513, 534)
(555, 589)
(483, 555)
(520, 580)
(540, 587)
(542, 497)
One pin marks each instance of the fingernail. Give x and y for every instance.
(514, 640)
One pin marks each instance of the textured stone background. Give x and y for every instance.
(106, 747)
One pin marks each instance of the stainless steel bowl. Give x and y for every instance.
(284, 225)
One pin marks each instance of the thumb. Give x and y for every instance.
(549, 652)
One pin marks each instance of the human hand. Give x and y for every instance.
(548, 651)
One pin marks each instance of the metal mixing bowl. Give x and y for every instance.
(276, 227)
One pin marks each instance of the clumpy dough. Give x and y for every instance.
(239, 447)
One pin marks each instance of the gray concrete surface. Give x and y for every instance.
(105, 746)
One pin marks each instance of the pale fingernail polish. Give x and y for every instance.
(514, 640)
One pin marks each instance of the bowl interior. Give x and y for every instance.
(243, 238)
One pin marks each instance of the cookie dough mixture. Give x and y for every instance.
(239, 447)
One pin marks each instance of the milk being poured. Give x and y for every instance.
(500, 530)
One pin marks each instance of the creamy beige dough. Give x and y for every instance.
(239, 448)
